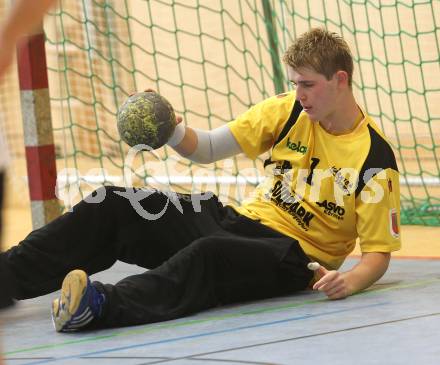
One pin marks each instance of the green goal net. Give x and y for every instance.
(213, 59)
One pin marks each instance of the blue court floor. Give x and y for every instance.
(397, 321)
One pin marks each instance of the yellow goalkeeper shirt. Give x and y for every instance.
(323, 190)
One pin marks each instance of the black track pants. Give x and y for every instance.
(199, 255)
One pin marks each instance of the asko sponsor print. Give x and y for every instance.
(290, 202)
(332, 209)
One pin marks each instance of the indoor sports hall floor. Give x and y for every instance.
(397, 321)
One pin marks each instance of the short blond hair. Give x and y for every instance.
(322, 51)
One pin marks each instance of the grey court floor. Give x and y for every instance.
(396, 322)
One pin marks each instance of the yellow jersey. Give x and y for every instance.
(324, 190)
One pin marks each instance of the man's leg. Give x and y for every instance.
(219, 269)
(94, 235)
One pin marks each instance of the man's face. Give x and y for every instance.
(317, 95)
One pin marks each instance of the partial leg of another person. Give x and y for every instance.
(6, 280)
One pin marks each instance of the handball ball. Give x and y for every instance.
(146, 118)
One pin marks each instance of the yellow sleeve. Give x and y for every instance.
(256, 129)
(378, 213)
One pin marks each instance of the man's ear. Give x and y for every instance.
(342, 78)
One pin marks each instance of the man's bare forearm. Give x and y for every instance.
(370, 268)
(338, 285)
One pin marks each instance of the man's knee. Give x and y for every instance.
(206, 246)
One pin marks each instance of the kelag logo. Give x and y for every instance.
(296, 147)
